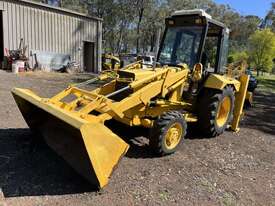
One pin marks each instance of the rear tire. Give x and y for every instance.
(168, 132)
(215, 111)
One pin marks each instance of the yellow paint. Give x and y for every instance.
(109, 56)
(189, 117)
(216, 81)
(249, 97)
(239, 102)
(223, 111)
(103, 147)
(173, 136)
(108, 66)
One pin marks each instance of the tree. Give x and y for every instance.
(262, 50)
(269, 20)
(132, 25)
(153, 21)
(239, 56)
(141, 5)
(117, 19)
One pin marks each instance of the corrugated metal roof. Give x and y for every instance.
(61, 10)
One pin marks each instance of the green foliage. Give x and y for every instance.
(267, 82)
(131, 25)
(262, 49)
(126, 30)
(239, 56)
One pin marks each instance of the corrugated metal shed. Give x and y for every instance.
(52, 29)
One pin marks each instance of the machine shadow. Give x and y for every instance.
(261, 115)
(136, 137)
(28, 169)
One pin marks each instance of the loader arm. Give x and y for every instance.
(159, 83)
(80, 122)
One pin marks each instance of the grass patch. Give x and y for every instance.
(267, 82)
(164, 195)
(228, 199)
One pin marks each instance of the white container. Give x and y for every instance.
(18, 66)
(14, 68)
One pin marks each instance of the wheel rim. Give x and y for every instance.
(173, 136)
(223, 111)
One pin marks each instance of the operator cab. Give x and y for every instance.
(191, 37)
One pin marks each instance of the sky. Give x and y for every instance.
(249, 7)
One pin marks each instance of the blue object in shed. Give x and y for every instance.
(54, 3)
(51, 60)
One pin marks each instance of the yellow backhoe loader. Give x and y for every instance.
(180, 88)
(110, 62)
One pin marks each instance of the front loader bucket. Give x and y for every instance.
(90, 148)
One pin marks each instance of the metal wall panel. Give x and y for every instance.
(52, 30)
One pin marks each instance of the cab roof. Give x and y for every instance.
(195, 12)
(198, 12)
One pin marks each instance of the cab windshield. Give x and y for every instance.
(181, 45)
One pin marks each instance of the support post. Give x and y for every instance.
(239, 102)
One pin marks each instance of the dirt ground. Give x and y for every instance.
(232, 169)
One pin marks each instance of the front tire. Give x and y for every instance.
(215, 111)
(168, 132)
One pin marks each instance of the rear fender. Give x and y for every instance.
(216, 81)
